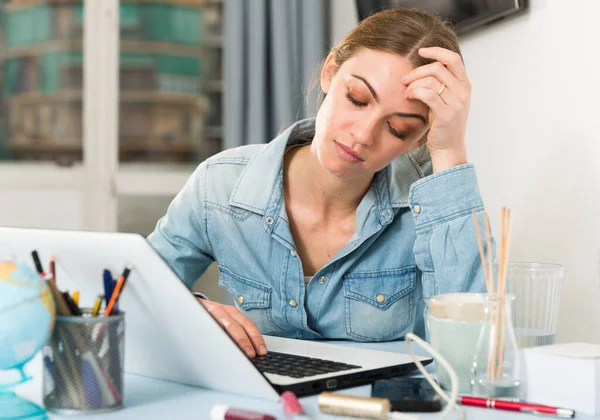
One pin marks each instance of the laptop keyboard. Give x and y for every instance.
(297, 366)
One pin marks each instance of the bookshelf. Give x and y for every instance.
(170, 80)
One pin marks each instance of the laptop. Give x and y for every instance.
(170, 336)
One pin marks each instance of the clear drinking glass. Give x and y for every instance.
(536, 287)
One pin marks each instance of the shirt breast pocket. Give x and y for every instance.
(252, 298)
(379, 305)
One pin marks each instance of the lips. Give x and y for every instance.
(347, 153)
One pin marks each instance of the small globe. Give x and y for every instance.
(27, 316)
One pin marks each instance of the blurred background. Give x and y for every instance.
(166, 108)
(107, 107)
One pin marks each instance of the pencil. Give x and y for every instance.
(53, 269)
(117, 290)
(61, 306)
(97, 305)
(76, 297)
(74, 308)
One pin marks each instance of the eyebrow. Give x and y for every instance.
(399, 114)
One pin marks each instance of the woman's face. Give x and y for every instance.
(366, 121)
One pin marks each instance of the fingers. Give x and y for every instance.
(436, 70)
(429, 98)
(443, 82)
(433, 84)
(232, 326)
(251, 330)
(448, 58)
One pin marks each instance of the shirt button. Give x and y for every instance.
(240, 299)
(322, 279)
(417, 208)
(269, 220)
(380, 298)
(293, 253)
(293, 303)
(386, 213)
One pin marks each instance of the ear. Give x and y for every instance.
(327, 72)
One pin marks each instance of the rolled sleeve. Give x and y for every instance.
(446, 248)
(445, 196)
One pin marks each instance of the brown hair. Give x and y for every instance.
(400, 31)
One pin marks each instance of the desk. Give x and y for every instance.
(147, 398)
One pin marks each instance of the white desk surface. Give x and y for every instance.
(147, 398)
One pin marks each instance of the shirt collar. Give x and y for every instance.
(390, 186)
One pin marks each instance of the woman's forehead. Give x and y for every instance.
(383, 72)
(380, 64)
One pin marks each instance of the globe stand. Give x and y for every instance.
(14, 407)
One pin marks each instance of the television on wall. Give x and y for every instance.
(464, 15)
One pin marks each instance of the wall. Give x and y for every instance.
(343, 18)
(56, 209)
(36, 194)
(533, 135)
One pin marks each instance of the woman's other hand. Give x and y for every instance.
(242, 329)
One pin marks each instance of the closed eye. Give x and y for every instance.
(355, 101)
(395, 133)
(364, 104)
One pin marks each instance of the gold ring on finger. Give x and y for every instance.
(442, 89)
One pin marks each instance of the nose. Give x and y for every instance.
(364, 130)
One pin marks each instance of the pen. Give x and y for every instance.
(517, 406)
(108, 285)
(118, 287)
(106, 389)
(292, 406)
(38, 264)
(91, 387)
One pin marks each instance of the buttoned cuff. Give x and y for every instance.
(445, 196)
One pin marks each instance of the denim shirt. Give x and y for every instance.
(414, 238)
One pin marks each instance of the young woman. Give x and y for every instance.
(345, 225)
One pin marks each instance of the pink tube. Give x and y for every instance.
(224, 412)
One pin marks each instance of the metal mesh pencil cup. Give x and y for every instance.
(83, 364)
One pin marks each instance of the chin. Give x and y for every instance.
(337, 167)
